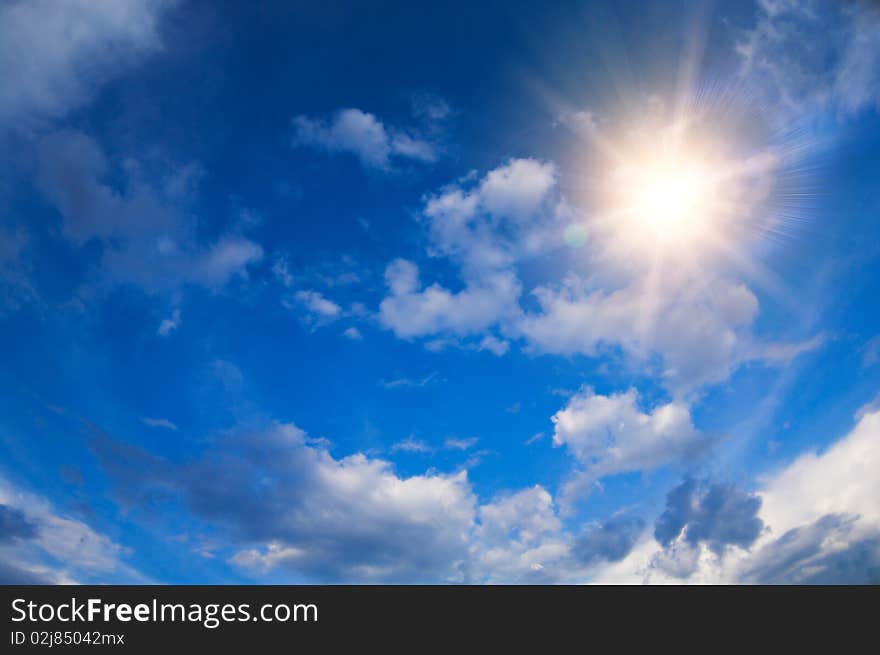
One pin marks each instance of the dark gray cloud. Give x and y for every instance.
(609, 541)
(716, 514)
(801, 556)
(14, 525)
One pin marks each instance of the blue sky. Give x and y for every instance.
(486, 292)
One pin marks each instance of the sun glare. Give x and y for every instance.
(675, 190)
(669, 198)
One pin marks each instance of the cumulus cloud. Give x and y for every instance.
(519, 539)
(146, 239)
(612, 434)
(700, 328)
(610, 541)
(823, 552)
(511, 213)
(485, 226)
(53, 55)
(517, 190)
(312, 515)
(823, 514)
(365, 136)
(814, 521)
(841, 480)
(688, 323)
(288, 509)
(697, 329)
(414, 311)
(717, 514)
(494, 345)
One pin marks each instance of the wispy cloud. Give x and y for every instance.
(460, 444)
(362, 134)
(409, 383)
(170, 324)
(411, 445)
(158, 423)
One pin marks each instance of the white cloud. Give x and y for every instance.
(494, 345)
(701, 328)
(822, 514)
(409, 383)
(460, 444)
(526, 516)
(696, 319)
(519, 539)
(845, 479)
(229, 256)
(352, 333)
(53, 55)
(170, 324)
(351, 518)
(411, 445)
(611, 434)
(486, 227)
(511, 213)
(534, 438)
(363, 135)
(410, 147)
(289, 508)
(411, 311)
(320, 310)
(821, 518)
(517, 190)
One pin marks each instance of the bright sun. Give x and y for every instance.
(680, 190)
(670, 197)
